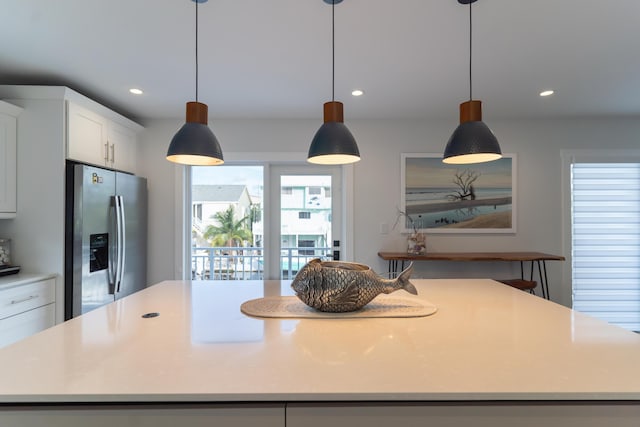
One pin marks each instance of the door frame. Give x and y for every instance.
(569, 157)
(182, 254)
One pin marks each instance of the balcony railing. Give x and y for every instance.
(240, 263)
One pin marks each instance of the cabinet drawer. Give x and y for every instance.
(25, 324)
(26, 297)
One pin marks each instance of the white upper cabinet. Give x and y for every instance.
(94, 139)
(122, 147)
(86, 135)
(8, 121)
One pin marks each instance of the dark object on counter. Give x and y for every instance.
(339, 286)
(6, 270)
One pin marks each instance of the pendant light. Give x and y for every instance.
(472, 141)
(195, 143)
(333, 144)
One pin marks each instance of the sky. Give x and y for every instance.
(251, 176)
(430, 172)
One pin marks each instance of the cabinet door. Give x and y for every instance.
(464, 414)
(86, 136)
(141, 415)
(122, 148)
(19, 299)
(7, 166)
(25, 324)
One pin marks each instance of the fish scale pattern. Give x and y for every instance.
(341, 286)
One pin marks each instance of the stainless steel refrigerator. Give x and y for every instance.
(106, 237)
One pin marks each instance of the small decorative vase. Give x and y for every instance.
(416, 244)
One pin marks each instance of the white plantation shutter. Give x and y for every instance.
(606, 241)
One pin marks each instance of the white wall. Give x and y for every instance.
(40, 166)
(537, 144)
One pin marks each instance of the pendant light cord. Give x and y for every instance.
(470, 53)
(196, 51)
(333, 50)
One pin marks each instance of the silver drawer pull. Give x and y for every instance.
(18, 301)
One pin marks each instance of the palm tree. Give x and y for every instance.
(229, 232)
(255, 214)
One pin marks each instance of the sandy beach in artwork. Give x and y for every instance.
(429, 207)
(492, 220)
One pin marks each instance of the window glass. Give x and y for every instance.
(238, 234)
(605, 214)
(227, 227)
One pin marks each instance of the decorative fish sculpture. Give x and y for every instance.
(338, 286)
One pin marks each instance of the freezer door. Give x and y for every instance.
(132, 193)
(93, 254)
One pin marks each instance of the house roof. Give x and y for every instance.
(218, 193)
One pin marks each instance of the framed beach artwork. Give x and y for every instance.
(443, 198)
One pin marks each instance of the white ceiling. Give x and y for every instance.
(272, 58)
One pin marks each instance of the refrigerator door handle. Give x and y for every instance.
(122, 243)
(114, 264)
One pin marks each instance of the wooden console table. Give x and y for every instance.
(535, 258)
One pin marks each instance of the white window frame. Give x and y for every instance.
(569, 157)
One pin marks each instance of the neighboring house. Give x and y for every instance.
(207, 200)
(305, 211)
(306, 215)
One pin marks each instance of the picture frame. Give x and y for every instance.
(443, 198)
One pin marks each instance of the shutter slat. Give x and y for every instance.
(606, 241)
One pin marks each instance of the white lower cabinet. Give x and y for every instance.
(25, 324)
(382, 414)
(464, 414)
(159, 415)
(26, 309)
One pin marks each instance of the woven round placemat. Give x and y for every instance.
(381, 306)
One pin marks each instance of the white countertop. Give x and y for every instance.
(486, 342)
(19, 279)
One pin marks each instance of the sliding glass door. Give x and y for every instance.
(305, 217)
(227, 222)
(262, 221)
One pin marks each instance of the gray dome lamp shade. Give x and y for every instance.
(195, 144)
(333, 143)
(472, 141)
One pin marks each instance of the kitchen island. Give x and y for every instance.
(491, 355)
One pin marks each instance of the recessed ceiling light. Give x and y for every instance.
(357, 92)
(546, 92)
(135, 91)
